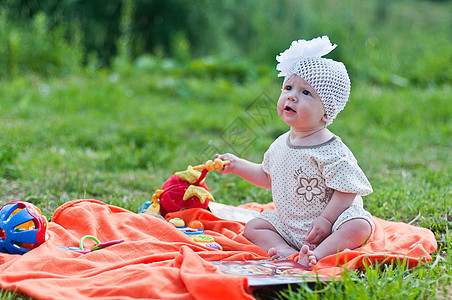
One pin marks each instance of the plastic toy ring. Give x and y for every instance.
(178, 222)
(191, 231)
(204, 239)
(87, 237)
(196, 224)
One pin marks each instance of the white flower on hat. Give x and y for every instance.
(300, 49)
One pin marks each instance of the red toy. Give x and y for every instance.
(174, 197)
(186, 189)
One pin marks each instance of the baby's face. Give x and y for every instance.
(299, 106)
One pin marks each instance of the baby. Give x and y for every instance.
(315, 180)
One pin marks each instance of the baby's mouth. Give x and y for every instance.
(289, 109)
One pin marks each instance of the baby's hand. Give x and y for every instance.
(230, 167)
(319, 230)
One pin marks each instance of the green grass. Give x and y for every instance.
(116, 135)
(7, 295)
(114, 138)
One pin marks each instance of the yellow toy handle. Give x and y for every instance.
(211, 165)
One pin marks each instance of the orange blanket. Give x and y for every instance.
(157, 261)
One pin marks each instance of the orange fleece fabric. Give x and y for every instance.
(157, 261)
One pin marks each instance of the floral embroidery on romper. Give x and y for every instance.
(309, 188)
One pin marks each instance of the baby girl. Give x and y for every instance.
(315, 180)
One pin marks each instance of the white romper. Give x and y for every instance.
(303, 180)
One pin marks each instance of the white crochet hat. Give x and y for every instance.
(327, 77)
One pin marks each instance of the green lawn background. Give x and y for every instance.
(116, 134)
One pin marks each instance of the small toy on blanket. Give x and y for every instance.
(22, 227)
(98, 246)
(207, 240)
(195, 230)
(185, 189)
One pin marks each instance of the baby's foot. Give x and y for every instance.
(307, 257)
(280, 253)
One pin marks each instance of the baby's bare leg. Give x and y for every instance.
(350, 235)
(263, 234)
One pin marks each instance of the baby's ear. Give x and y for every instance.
(324, 118)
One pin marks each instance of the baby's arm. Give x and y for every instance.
(251, 172)
(321, 227)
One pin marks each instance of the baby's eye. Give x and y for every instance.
(306, 92)
(288, 87)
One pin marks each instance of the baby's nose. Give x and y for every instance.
(291, 97)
